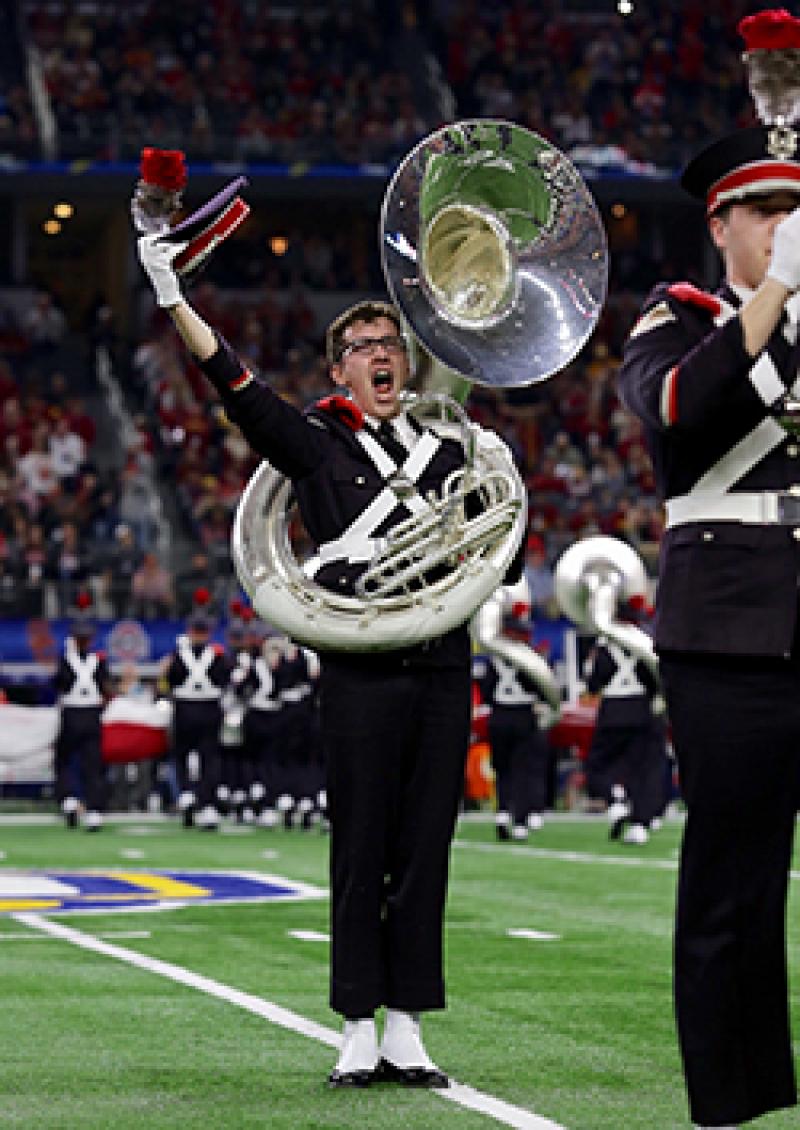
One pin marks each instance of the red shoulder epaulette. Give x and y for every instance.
(218, 649)
(693, 296)
(342, 409)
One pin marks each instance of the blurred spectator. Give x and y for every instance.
(68, 567)
(67, 450)
(151, 590)
(539, 576)
(195, 576)
(123, 560)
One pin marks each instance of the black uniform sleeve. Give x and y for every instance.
(274, 428)
(679, 369)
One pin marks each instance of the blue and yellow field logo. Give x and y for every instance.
(109, 889)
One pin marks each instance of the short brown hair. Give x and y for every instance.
(369, 311)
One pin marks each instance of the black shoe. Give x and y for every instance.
(387, 1072)
(71, 819)
(502, 831)
(352, 1078)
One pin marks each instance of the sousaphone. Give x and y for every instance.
(495, 254)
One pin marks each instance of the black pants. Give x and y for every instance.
(196, 728)
(520, 756)
(634, 757)
(736, 731)
(396, 740)
(79, 768)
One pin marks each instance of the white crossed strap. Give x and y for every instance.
(358, 542)
(624, 683)
(84, 691)
(197, 685)
(710, 499)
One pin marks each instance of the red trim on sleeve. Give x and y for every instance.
(693, 296)
(244, 378)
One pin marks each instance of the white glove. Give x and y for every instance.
(156, 256)
(785, 263)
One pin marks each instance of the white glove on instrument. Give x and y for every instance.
(156, 255)
(785, 263)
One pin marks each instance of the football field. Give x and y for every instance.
(159, 977)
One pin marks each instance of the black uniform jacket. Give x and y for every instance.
(725, 587)
(333, 477)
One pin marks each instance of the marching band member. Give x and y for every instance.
(713, 377)
(299, 762)
(517, 731)
(255, 683)
(197, 673)
(83, 685)
(395, 724)
(627, 758)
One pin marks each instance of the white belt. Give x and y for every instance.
(758, 508)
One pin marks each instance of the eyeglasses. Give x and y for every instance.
(366, 346)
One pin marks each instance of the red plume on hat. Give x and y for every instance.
(83, 600)
(201, 597)
(772, 59)
(772, 30)
(164, 168)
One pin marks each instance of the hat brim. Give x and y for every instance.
(739, 167)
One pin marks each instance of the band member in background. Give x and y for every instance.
(395, 724)
(256, 686)
(299, 763)
(627, 759)
(197, 673)
(518, 740)
(83, 684)
(713, 378)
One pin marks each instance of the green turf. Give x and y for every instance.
(578, 1029)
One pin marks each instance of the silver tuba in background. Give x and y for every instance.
(593, 577)
(495, 254)
(486, 628)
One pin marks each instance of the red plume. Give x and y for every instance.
(83, 599)
(201, 597)
(772, 30)
(247, 613)
(237, 608)
(164, 168)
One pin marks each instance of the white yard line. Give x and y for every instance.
(570, 856)
(457, 1093)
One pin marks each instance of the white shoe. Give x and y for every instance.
(359, 1047)
(502, 825)
(635, 834)
(268, 818)
(656, 824)
(93, 821)
(519, 832)
(402, 1041)
(207, 818)
(535, 821)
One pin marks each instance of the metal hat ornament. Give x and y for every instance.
(157, 202)
(772, 60)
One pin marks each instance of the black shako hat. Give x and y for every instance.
(739, 166)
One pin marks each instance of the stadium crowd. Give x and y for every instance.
(322, 84)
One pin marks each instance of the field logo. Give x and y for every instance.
(101, 890)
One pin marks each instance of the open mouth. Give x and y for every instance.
(382, 380)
